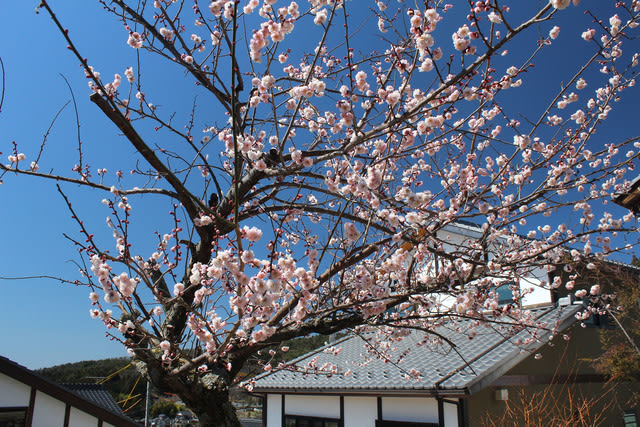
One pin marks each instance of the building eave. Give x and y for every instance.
(39, 383)
(454, 393)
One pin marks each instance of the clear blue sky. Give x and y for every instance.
(43, 322)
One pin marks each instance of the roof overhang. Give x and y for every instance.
(365, 392)
(631, 198)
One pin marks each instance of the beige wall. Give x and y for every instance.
(607, 402)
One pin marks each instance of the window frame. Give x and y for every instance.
(21, 410)
(630, 423)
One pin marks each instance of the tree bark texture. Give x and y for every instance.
(207, 394)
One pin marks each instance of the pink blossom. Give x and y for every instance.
(615, 23)
(268, 81)
(351, 232)
(560, 4)
(166, 33)
(321, 17)
(112, 296)
(261, 165)
(589, 34)
(135, 40)
(578, 116)
(252, 234)
(494, 17)
(215, 7)
(247, 256)
(178, 289)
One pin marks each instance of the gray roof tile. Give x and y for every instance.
(473, 364)
(96, 393)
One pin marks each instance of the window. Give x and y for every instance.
(302, 421)
(599, 321)
(630, 419)
(505, 293)
(13, 417)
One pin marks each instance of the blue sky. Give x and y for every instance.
(44, 322)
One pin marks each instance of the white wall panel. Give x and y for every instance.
(312, 405)
(416, 409)
(274, 410)
(450, 415)
(78, 418)
(13, 392)
(48, 412)
(360, 411)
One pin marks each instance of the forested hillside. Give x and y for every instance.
(128, 389)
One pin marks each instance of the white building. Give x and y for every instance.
(372, 391)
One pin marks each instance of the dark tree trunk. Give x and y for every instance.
(213, 409)
(207, 394)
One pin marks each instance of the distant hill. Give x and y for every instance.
(296, 348)
(120, 379)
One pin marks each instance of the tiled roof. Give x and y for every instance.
(465, 369)
(96, 393)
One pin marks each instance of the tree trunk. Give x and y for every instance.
(213, 410)
(207, 395)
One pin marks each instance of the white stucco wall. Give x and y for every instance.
(13, 393)
(539, 286)
(78, 418)
(48, 412)
(360, 411)
(417, 409)
(312, 405)
(450, 414)
(274, 410)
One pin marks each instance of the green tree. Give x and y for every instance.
(621, 360)
(166, 407)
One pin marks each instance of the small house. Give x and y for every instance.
(28, 399)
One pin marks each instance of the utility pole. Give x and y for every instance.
(147, 421)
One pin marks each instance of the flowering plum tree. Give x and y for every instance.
(339, 141)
